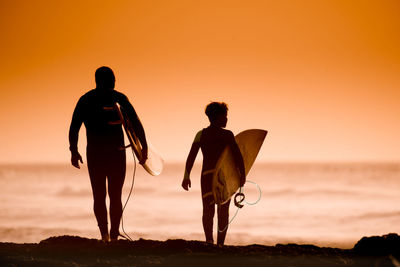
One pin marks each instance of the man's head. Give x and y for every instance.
(105, 78)
(217, 113)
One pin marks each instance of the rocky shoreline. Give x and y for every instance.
(79, 251)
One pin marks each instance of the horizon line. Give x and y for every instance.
(173, 162)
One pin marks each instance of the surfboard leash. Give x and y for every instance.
(259, 194)
(239, 205)
(126, 236)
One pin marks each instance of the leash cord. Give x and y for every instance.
(259, 194)
(248, 203)
(126, 236)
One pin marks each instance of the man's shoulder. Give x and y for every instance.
(89, 94)
(119, 95)
(95, 91)
(94, 94)
(86, 96)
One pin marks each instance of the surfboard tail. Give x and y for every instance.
(154, 163)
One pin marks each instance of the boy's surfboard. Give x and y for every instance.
(226, 178)
(154, 163)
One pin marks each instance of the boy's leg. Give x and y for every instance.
(208, 217)
(208, 206)
(223, 220)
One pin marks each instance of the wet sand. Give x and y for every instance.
(79, 251)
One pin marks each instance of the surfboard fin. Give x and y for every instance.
(238, 202)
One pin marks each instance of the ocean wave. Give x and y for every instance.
(378, 215)
(36, 234)
(325, 192)
(71, 192)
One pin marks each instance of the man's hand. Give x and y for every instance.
(75, 158)
(144, 156)
(186, 184)
(242, 180)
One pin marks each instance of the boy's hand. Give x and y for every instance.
(186, 184)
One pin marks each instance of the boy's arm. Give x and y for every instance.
(186, 183)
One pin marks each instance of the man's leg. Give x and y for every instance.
(116, 178)
(98, 182)
(223, 220)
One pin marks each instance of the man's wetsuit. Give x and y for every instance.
(105, 158)
(212, 142)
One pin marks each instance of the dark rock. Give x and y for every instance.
(378, 245)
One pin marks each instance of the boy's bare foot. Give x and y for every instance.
(105, 238)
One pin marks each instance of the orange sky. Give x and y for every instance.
(322, 76)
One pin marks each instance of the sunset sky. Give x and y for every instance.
(323, 77)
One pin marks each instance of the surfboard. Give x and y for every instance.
(154, 163)
(226, 178)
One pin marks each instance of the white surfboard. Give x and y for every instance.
(154, 163)
(226, 178)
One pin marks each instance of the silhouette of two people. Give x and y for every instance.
(106, 158)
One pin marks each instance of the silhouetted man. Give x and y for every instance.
(212, 141)
(105, 146)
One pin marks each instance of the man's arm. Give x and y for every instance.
(74, 128)
(186, 183)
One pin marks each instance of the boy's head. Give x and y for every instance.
(217, 113)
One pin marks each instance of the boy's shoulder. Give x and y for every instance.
(220, 132)
(227, 132)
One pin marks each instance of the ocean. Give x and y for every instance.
(325, 204)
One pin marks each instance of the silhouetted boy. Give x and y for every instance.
(105, 142)
(212, 141)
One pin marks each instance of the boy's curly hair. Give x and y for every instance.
(214, 109)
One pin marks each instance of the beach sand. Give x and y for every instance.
(79, 251)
